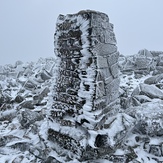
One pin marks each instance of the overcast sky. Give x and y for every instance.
(27, 26)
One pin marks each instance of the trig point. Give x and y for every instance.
(87, 86)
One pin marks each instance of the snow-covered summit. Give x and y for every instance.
(62, 109)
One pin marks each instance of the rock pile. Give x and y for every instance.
(142, 63)
(141, 96)
(24, 99)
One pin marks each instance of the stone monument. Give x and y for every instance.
(87, 86)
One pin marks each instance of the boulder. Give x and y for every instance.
(19, 99)
(148, 118)
(160, 60)
(129, 65)
(142, 98)
(30, 85)
(122, 61)
(27, 104)
(28, 117)
(5, 97)
(145, 53)
(154, 79)
(149, 90)
(45, 75)
(8, 115)
(158, 70)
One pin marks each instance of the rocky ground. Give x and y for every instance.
(26, 91)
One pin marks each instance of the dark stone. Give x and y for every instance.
(118, 158)
(64, 141)
(141, 127)
(19, 99)
(155, 150)
(27, 104)
(101, 140)
(56, 114)
(125, 102)
(45, 75)
(137, 138)
(2, 100)
(69, 73)
(22, 146)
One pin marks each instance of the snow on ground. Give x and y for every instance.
(25, 103)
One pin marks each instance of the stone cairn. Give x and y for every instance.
(87, 86)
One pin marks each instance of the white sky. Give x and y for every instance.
(27, 26)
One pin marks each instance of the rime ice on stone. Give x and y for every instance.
(86, 90)
(88, 73)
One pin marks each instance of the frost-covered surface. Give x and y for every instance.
(26, 100)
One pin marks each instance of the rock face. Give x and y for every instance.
(87, 85)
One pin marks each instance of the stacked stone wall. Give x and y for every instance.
(87, 84)
(88, 70)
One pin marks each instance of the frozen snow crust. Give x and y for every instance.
(34, 128)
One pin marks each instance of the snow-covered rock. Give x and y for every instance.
(154, 79)
(149, 90)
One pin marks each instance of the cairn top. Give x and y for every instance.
(83, 12)
(90, 11)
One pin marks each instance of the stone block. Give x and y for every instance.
(99, 103)
(113, 58)
(103, 74)
(111, 90)
(102, 62)
(143, 63)
(114, 70)
(102, 49)
(108, 80)
(100, 89)
(99, 20)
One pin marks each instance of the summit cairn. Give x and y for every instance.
(88, 69)
(87, 85)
